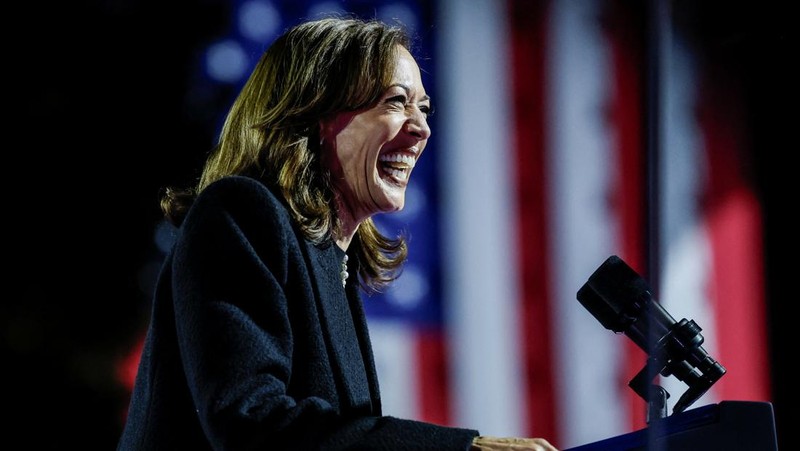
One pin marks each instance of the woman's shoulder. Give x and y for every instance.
(238, 189)
(238, 185)
(240, 196)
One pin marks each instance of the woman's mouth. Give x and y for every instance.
(397, 165)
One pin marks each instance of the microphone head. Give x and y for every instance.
(615, 294)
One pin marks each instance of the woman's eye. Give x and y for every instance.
(427, 110)
(397, 99)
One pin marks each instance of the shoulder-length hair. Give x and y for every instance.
(313, 71)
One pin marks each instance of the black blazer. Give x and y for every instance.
(253, 342)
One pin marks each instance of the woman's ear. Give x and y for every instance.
(328, 129)
(323, 132)
(326, 141)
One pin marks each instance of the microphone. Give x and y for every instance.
(622, 302)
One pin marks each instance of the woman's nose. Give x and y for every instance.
(417, 125)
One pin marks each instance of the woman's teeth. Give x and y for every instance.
(397, 165)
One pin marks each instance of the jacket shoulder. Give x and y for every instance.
(240, 196)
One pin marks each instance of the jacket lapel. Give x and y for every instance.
(360, 319)
(338, 325)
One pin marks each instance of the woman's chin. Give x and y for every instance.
(391, 203)
(391, 206)
(391, 197)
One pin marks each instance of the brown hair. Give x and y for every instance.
(314, 70)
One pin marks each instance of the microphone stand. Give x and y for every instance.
(655, 395)
(677, 353)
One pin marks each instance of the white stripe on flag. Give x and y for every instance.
(393, 344)
(581, 165)
(479, 261)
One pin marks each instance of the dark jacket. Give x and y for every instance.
(254, 343)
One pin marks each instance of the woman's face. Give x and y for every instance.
(372, 152)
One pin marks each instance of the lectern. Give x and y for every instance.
(726, 426)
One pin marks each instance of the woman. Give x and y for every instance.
(258, 338)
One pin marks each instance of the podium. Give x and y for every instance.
(726, 426)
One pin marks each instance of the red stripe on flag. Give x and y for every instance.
(733, 217)
(737, 297)
(527, 60)
(625, 33)
(432, 377)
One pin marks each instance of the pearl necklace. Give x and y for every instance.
(343, 273)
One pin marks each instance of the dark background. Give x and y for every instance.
(101, 119)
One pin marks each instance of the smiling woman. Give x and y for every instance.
(258, 337)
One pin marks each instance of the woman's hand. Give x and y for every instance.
(489, 443)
